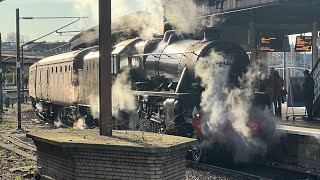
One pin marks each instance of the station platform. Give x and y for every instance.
(296, 123)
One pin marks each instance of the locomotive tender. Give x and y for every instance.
(162, 76)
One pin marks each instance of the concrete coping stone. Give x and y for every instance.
(136, 141)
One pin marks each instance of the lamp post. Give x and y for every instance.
(1, 96)
(22, 74)
(18, 62)
(18, 67)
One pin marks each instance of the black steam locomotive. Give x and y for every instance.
(162, 76)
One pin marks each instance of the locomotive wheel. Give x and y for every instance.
(196, 153)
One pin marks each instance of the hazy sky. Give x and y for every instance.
(44, 8)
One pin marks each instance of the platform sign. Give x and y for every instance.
(295, 95)
(303, 43)
(271, 44)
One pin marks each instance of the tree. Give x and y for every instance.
(11, 38)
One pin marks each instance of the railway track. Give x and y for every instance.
(19, 154)
(277, 171)
(258, 171)
(18, 146)
(233, 174)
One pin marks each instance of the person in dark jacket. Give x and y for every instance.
(308, 92)
(266, 86)
(277, 92)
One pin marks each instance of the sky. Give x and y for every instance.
(33, 29)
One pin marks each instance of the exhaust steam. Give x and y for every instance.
(226, 110)
(123, 102)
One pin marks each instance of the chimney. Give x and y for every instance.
(211, 35)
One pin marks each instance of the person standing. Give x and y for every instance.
(277, 92)
(308, 92)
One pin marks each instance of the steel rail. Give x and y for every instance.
(212, 168)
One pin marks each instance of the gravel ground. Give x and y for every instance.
(192, 174)
(8, 159)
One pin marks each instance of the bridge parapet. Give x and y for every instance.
(243, 4)
(217, 6)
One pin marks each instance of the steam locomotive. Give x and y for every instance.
(162, 76)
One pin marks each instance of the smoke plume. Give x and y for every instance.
(227, 110)
(187, 16)
(154, 8)
(147, 24)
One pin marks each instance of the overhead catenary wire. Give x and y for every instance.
(223, 13)
(51, 32)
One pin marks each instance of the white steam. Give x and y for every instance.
(226, 110)
(147, 24)
(94, 105)
(187, 16)
(58, 123)
(39, 107)
(123, 101)
(80, 123)
(122, 97)
(154, 8)
(86, 8)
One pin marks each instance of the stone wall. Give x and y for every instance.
(95, 163)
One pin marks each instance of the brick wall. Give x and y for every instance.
(95, 163)
(55, 161)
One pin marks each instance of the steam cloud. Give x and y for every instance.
(122, 97)
(80, 123)
(186, 16)
(154, 8)
(122, 101)
(226, 110)
(147, 24)
(58, 123)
